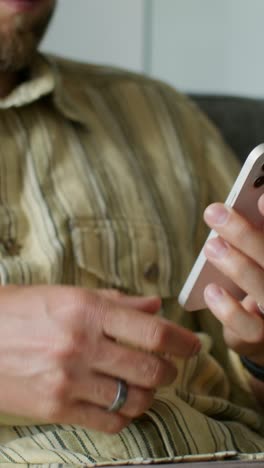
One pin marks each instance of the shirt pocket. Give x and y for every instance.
(131, 256)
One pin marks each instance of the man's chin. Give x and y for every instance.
(19, 40)
(17, 52)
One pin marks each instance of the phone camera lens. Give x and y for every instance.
(259, 182)
(262, 167)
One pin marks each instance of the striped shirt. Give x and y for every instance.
(104, 176)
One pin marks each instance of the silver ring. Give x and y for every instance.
(120, 398)
(260, 308)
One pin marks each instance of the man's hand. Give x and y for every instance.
(239, 254)
(62, 350)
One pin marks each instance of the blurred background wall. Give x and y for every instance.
(102, 31)
(208, 46)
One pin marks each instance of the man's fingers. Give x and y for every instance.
(237, 231)
(150, 304)
(150, 333)
(132, 365)
(145, 304)
(101, 391)
(235, 342)
(242, 270)
(247, 326)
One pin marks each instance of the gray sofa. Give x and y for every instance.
(240, 120)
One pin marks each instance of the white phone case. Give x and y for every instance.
(243, 197)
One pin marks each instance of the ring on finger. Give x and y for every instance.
(120, 398)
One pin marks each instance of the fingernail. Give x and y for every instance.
(216, 214)
(216, 248)
(213, 293)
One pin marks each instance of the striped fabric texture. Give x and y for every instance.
(104, 176)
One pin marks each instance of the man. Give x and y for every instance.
(104, 179)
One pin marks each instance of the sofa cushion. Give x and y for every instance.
(240, 120)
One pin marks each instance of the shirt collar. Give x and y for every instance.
(67, 96)
(40, 82)
(44, 78)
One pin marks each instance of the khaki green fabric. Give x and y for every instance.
(104, 178)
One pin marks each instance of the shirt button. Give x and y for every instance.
(152, 272)
(11, 247)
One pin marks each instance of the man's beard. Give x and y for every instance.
(18, 47)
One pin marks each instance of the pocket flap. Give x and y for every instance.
(132, 256)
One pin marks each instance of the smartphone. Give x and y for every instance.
(243, 197)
